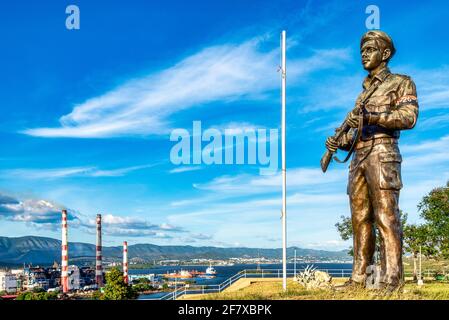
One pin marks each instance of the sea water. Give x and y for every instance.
(225, 272)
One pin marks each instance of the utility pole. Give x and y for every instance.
(284, 176)
(420, 279)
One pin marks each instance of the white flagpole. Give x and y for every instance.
(284, 177)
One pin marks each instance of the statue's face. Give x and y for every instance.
(371, 55)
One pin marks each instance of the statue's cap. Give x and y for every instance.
(379, 35)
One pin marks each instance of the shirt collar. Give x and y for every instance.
(380, 76)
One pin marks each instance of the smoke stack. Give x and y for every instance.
(64, 254)
(125, 261)
(98, 255)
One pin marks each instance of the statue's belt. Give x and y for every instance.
(368, 132)
(375, 141)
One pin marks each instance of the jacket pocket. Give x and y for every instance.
(390, 171)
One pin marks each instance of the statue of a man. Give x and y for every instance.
(375, 171)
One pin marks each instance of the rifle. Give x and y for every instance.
(327, 157)
(344, 128)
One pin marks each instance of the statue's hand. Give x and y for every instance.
(331, 144)
(353, 119)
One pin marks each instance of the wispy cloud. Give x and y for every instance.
(58, 173)
(432, 86)
(328, 244)
(219, 73)
(185, 169)
(340, 92)
(251, 184)
(434, 122)
(426, 154)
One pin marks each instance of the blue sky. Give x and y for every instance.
(87, 115)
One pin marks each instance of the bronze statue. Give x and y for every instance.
(371, 131)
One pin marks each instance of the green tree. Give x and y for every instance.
(25, 296)
(116, 288)
(40, 295)
(416, 238)
(140, 287)
(434, 209)
(344, 228)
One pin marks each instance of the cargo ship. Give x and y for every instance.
(183, 274)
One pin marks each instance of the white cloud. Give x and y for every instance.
(219, 73)
(185, 169)
(118, 172)
(131, 226)
(252, 184)
(426, 154)
(427, 145)
(36, 212)
(336, 95)
(434, 122)
(328, 245)
(432, 86)
(57, 173)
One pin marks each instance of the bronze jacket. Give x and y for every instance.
(391, 108)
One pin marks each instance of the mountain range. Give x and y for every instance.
(42, 250)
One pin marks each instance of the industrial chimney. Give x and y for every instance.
(125, 261)
(64, 254)
(98, 255)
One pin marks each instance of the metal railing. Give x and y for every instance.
(247, 273)
(425, 273)
(260, 273)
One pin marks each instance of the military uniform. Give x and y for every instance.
(375, 173)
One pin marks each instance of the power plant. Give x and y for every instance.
(125, 262)
(98, 255)
(64, 254)
(99, 279)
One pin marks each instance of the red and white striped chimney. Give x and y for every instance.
(64, 254)
(98, 255)
(125, 261)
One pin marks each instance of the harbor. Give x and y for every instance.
(157, 280)
(224, 273)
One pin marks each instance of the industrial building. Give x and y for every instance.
(8, 282)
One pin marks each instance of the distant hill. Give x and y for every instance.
(42, 250)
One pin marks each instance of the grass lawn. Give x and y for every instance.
(273, 291)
